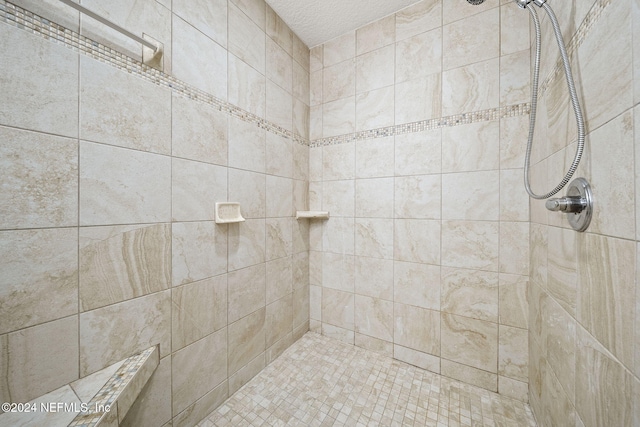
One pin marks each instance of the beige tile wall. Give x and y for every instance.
(426, 254)
(107, 234)
(584, 301)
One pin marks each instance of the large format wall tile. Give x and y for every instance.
(470, 342)
(148, 319)
(416, 284)
(604, 389)
(39, 90)
(374, 278)
(279, 279)
(195, 189)
(338, 308)
(416, 241)
(280, 156)
(375, 35)
(419, 56)
(374, 317)
(279, 321)
(339, 81)
(199, 251)
(513, 353)
(121, 263)
(471, 88)
(338, 271)
(419, 99)
(198, 369)
(473, 39)
(246, 244)
(279, 106)
(374, 158)
(614, 215)
(372, 109)
(471, 147)
(112, 115)
(470, 293)
(418, 197)
(608, 43)
(418, 153)
(39, 359)
(246, 40)
(282, 240)
(246, 138)
(198, 131)
(199, 61)
(471, 196)
(247, 289)
(422, 16)
(39, 280)
(39, 180)
(247, 87)
(417, 328)
(604, 307)
(246, 340)
(374, 70)
(122, 186)
(154, 404)
(197, 310)
(513, 305)
(470, 244)
(209, 17)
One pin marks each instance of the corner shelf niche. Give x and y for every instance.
(312, 214)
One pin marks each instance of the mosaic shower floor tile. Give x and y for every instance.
(320, 381)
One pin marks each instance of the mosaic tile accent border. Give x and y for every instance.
(576, 41)
(25, 20)
(113, 388)
(430, 124)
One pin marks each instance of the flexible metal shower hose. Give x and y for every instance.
(534, 104)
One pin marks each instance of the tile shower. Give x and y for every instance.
(409, 130)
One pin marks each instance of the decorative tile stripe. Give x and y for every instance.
(430, 124)
(110, 392)
(25, 20)
(576, 41)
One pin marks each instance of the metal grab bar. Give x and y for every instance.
(108, 23)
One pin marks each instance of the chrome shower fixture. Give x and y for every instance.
(475, 2)
(523, 3)
(577, 204)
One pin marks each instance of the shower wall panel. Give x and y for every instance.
(110, 173)
(418, 129)
(584, 300)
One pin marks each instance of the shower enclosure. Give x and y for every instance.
(411, 131)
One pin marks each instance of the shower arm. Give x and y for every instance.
(523, 3)
(534, 98)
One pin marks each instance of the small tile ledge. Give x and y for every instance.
(100, 399)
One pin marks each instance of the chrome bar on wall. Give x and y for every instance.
(108, 23)
(151, 49)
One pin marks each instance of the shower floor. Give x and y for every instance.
(320, 381)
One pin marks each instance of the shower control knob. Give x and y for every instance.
(566, 204)
(577, 204)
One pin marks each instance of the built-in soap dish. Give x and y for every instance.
(312, 214)
(228, 212)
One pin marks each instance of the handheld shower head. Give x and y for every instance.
(475, 2)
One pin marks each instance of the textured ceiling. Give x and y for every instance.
(317, 21)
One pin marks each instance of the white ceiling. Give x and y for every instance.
(317, 21)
